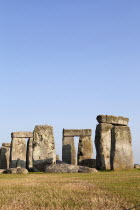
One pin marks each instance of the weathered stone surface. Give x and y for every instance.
(29, 163)
(5, 156)
(69, 151)
(16, 171)
(43, 145)
(112, 119)
(18, 151)
(77, 132)
(121, 152)
(22, 134)
(91, 163)
(6, 144)
(83, 169)
(136, 166)
(22, 171)
(67, 168)
(103, 146)
(85, 148)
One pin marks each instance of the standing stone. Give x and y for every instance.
(5, 156)
(121, 153)
(18, 152)
(69, 151)
(30, 153)
(103, 145)
(85, 149)
(43, 145)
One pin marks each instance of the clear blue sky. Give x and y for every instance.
(63, 62)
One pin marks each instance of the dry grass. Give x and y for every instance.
(103, 190)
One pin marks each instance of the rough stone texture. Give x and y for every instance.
(77, 132)
(5, 156)
(121, 152)
(43, 145)
(22, 134)
(16, 171)
(68, 150)
(29, 163)
(136, 166)
(67, 168)
(112, 119)
(103, 146)
(83, 169)
(6, 144)
(85, 148)
(91, 163)
(18, 152)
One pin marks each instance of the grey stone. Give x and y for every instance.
(67, 168)
(18, 151)
(121, 148)
(22, 171)
(16, 171)
(43, 145)
(77, 132)
(136, 166)
(112, 119)
(5, 156)
(103, 145)
(22, 134)
(85, 148)
(29, 153)
(91, 163)
(69, 151)
(83, 169)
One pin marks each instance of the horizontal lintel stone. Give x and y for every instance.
(77, 132)
(22, 134)
(6, 144)
(112, 119)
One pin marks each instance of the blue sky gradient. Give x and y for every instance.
(64, 62)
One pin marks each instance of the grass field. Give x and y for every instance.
(103, 190)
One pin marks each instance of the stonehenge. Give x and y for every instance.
(85, 148)
(113, 143)
(36, 150)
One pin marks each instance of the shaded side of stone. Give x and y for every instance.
(18, 152)
(29, 155)
(121, 152)
(68, 150)
(5, 156)
(91, 163)
(43, 145)
(77, 132)
(85, 148)
(103, 146)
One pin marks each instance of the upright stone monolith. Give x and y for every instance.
(18, 152)
(85, 149)
(68, 150)
(29, 160)
(43, 145)
(113, 143)
(5, 156)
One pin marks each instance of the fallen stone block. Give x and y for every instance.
(16, 171)
(136, 166)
